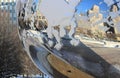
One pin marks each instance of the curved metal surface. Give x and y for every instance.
(39, 56)
(37, 53)
(81, 57)
(38, 48)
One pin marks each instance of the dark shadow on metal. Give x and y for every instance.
(85, 59)
(39, 56)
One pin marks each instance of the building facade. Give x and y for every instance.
(9, 5)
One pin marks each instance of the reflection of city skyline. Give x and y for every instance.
(97, 24)
(104, 5)
(86, 5)
(93, 3)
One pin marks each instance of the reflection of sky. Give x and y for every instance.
(88, 4)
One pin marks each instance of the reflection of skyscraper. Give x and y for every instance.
(9, 5)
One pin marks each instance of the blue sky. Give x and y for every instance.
(88, 4)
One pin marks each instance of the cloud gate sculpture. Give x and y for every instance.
(49, 27)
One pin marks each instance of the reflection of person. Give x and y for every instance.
(58, 12)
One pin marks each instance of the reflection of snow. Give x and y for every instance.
(112, 44)
(32, 76)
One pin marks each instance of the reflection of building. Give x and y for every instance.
(116, 21)
(87, 24)
(95, 9)
(94, 17)
(83, 22)
(97, 26)
(9, 5)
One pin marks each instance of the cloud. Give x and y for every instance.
(109, 2)
(100, 3)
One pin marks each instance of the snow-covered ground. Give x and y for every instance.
(105, 43)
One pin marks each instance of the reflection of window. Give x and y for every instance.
(6, 3)
(14, 15)
(2, 3)
(43, 17)
(11, 15)
(10, 11)
(10, 7)
(39, 17)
